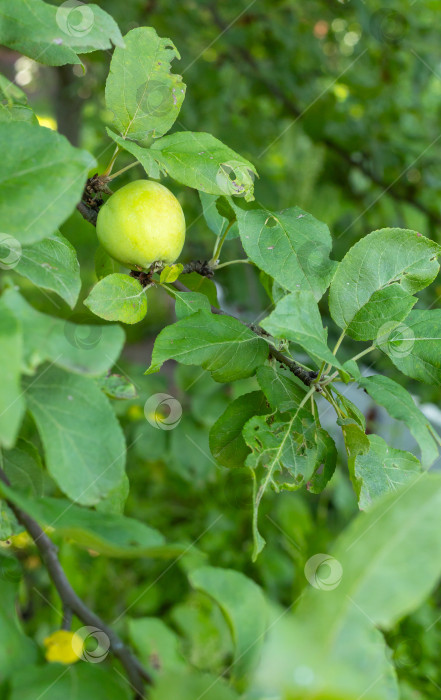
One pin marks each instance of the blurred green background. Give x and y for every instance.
(338, 105)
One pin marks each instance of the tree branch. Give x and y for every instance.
(72, 602)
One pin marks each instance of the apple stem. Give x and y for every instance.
(232, 262)
(123, 170)
(108, 170)
(218, 247)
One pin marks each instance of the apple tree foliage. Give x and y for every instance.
(259, 388)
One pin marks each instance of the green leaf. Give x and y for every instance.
(190, 685)
(16, 650)
(55, 36)
(220, 344)
(22, 465)
(157, 646)
(373, 564)
(382, 567)
(83, 441)
(350, 409)
(399, 259)
(117, 386)
(244, 606)
(8, 527)
(53, 681)
(291, 246)
(216, 221)
(326, 462)
(86, 349)
(199, 160)
(17, 113)
(297, 318)
(12, 404)
(111, 534)
(13, 103)
(382, 470)
(386, 306)
(284, 454)
(280, 388)
(400, 405)
(36, 163)
(170, 273)
(10, 93)
(188, 303)
(118, 297)
(104, 264)
(415, 345)
(197, 283)
(226, 442)
(356, 440)
(115, 500)
(52, 264)
(143, 95)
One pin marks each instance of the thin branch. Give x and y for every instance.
(67, 618)
(71, 601)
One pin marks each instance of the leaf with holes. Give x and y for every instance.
(144, 96)
(283, 456)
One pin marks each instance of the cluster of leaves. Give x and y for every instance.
(63, 449)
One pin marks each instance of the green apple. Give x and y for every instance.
(142, 223)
